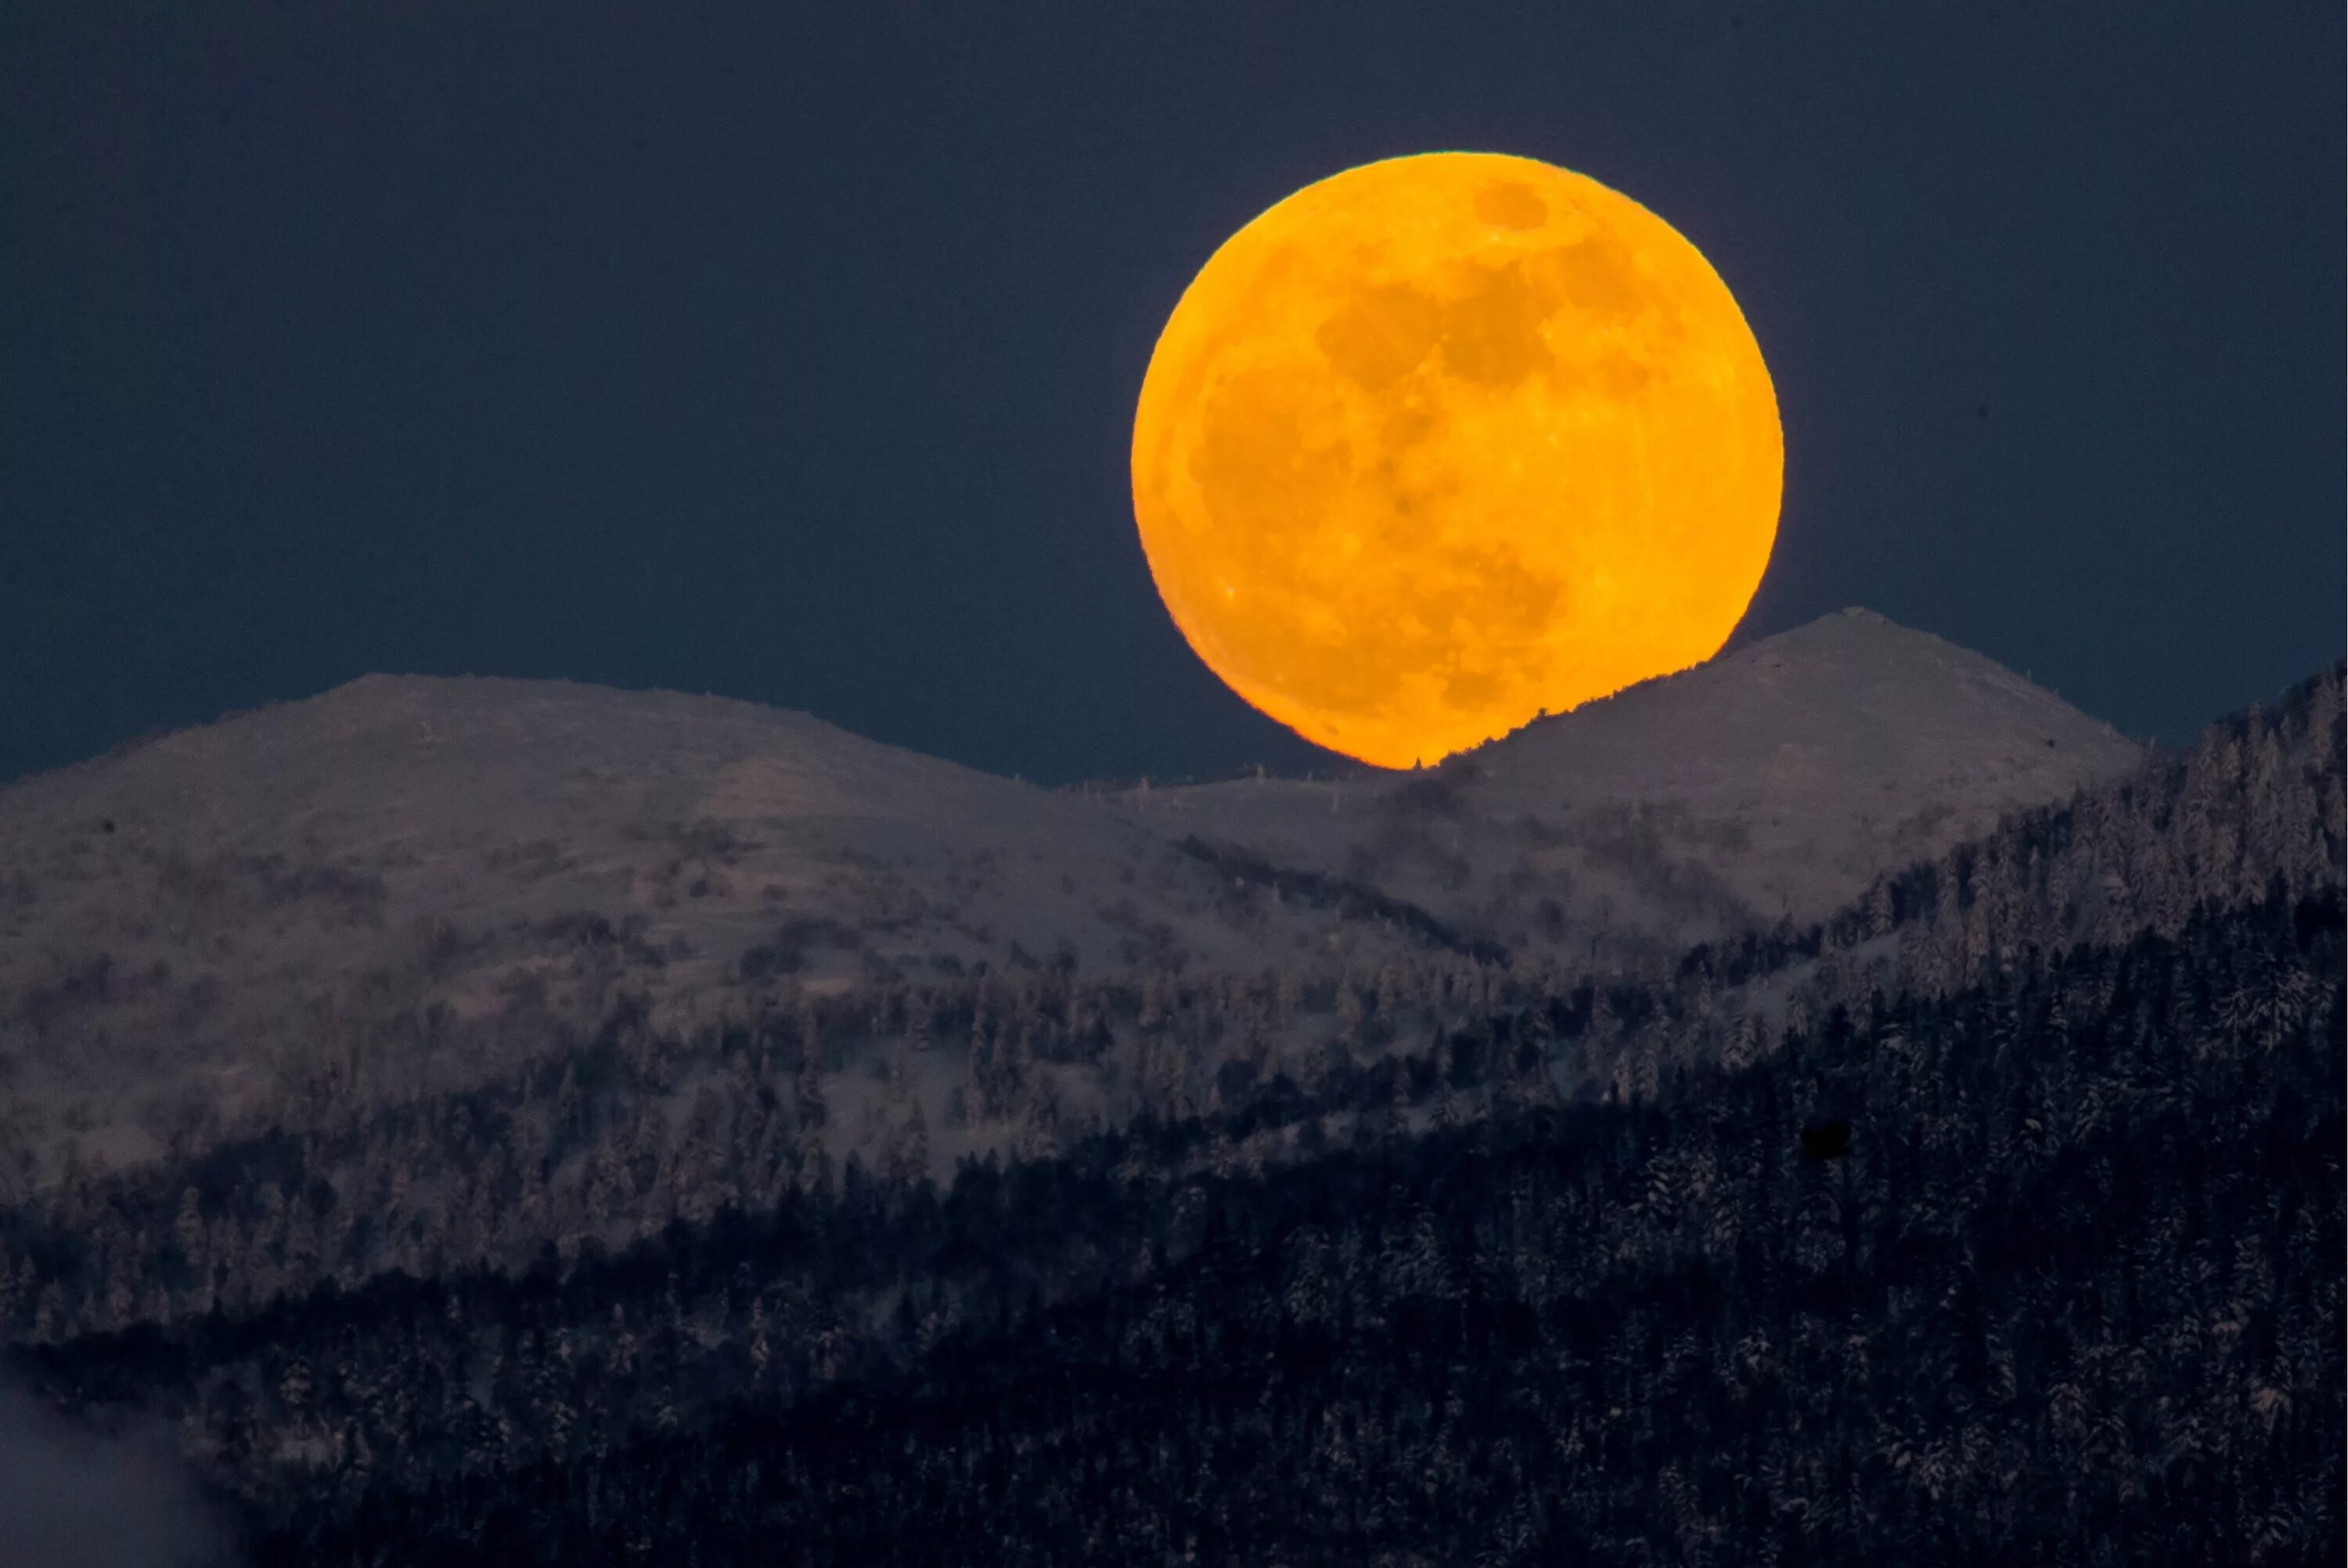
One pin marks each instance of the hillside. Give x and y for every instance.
(2022, 1165)
(1774, 783)
(2066, 1272)
(457, 873)
(440, 879)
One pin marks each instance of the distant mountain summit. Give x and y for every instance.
(459, 870)
(1850, 696)
(1775, 781)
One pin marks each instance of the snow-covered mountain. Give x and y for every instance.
(459, 867)
(452, 873)
(1773, 782)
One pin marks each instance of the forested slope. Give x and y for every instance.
(2073, 1295)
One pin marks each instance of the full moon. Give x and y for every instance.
(1443, 442)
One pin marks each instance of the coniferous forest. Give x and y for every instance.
(1998, 1220)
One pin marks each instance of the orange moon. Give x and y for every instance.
(1439, 442)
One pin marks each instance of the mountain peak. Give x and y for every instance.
(1776, 779)
(1850, 675)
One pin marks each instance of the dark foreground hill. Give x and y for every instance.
(2073, 1294)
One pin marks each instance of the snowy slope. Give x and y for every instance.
(503, 858)
(450, 875)
(1775, 781)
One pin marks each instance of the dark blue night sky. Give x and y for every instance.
(789, 352)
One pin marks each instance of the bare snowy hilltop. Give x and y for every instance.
(1774, 781)
(460, 868)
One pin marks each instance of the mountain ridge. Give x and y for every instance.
(1773, 782)
(463, 870)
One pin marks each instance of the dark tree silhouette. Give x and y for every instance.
(1827, 1141)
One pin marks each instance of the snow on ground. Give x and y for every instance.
(1773, 782)
(449, 874)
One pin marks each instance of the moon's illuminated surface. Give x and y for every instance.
(1441, 442)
